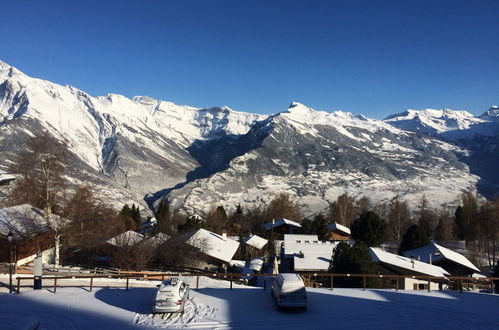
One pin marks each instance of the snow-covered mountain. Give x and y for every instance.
(137, 145)
(316, 156)
(479, 135)
(197, 158)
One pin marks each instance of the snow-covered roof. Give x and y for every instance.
(299, 244)
(337, 227)
(127, 238)
(256, 241)
(380, 256)
(312, 261)
(25, 220)
(213, 244)
(438, 253)
(279, 222)
(6, 178)
(158, 239)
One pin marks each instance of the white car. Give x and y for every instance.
(171, 297)
(289, 290)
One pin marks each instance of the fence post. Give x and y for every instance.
(332, 282)
(429, 284)
(364, 278)
(55, 284)
(162, 277)
(91, 283)
(18, 285)
(461, 285)
(197, 283)
(492, 285)
(231, 279)
(264, 282)
(127, 278)
(397, 281)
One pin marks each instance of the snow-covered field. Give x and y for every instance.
(216, 306)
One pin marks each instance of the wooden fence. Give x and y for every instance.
(460, 281)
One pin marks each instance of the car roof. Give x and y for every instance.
(291, 277)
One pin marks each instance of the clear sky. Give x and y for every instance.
(370, 57)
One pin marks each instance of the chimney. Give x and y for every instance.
(430, 260)
(224, 235)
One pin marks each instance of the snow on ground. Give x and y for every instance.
(216, 306)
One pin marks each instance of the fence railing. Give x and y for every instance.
(459, 281)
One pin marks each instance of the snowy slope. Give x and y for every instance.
(215, 306)
(139, 143)
(479, 135)
(433, 121)
(129, 149)
(315, 156)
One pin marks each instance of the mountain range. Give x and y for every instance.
(143, 150)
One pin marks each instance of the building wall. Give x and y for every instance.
(412, 283)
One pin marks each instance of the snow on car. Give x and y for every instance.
(171, 297)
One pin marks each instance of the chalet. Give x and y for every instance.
(282, 226)
(337, 232)
(305, 253)
(218, 248)
(392, 264)
(30, 231)
(453, 262)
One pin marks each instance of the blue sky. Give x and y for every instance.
(369, 57)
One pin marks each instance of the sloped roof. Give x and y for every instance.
(337, 227)
(127, 238)
(214, 245)
(26, 220)
(158, 239)
(256, 241)
(279, 222)
(380, 256)
(438, 253)
(298, 244)
(312, 261)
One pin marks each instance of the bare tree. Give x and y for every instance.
(282, 206)
(489, 216)
(398, 219)
(445, 229)
(362, 205)
(42, 166)
(343, 210)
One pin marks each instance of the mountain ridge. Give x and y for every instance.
(198, 157)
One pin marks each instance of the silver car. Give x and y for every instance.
(289, 291)
(171, 297)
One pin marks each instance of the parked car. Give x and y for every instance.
(289, 290)
(171, 297)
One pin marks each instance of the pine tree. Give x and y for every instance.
(355, 259)
(414, 237)
(370, 228)
(164, 218)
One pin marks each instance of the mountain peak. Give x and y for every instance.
(491, 114)
(7, 70)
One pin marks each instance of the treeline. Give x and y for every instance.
(476, 221)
